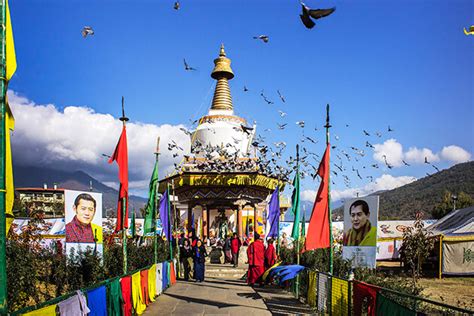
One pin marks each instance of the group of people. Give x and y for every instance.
(192, 256)
(260, 258)
(231, 250)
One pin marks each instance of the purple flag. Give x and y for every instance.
(274, 214)
(165, 215)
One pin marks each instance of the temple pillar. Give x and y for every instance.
(205, 220)
(254, 219)
(190, 217)
(239, 221)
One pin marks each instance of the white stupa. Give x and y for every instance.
(220, 127)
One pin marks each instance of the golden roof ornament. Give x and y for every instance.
(222, 73)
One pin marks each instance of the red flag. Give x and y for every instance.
(121, 157)
(318, 229)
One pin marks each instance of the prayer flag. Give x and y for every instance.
(295, 205)
(150, 216)
(274, 213)
(164, 214)
(318, 229)
(121, 157)
(10, 62)
(10, 189)
(10, 55)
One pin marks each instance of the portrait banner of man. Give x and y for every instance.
(83, 217)
(360, 231)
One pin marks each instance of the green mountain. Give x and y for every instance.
(423, 194)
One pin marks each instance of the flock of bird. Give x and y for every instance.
(272, 159)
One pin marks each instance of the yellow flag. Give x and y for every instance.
(10, 194)
(10, 47)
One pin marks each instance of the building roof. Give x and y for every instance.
(40, 189)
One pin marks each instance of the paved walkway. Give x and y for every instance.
(224, 293)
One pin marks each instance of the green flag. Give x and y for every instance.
(295, 205)
(134, 230)
(150, 215)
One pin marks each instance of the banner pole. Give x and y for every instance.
(297, 290)
(331, 250)
(169, 223)
(3, 223)
(155, 202)
(124, 235)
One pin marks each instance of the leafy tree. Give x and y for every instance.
(446, 205)
(417, 244)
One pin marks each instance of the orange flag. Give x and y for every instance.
(318, 229)
(121, 157)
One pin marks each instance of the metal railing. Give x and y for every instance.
(332, 295)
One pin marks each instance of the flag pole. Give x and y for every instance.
(331, 254)
(297, 290)
(169, 223)
(155, 202)
(3, 104)
(124, 119)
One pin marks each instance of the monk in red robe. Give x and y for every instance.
(270, 254)
(256, 258)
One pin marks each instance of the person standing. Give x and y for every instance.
(185, 253)
(227, 250)
(270, 254)
(235, 245)
(256, 260)
(200, 255)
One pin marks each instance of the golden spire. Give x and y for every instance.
(222, 73)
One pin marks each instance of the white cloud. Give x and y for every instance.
(455, 154)
(415, 155)
(384, 182)
(76, 138)
(392, 150)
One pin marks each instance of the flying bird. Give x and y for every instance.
(282, 98)
(176, 5)
(405, 163)
(366, 133)
(300, 123)
(282, 126)
(265, 98)
(264, 38)
(367, 144)
(186, 66)
(246, 129)
(245, 89)
(87, 30)
(471, 30)
(389, 129)
(308, 14)
(426, 160)
(282, 114)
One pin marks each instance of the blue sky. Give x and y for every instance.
(406, 64)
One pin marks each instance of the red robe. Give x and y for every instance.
(270, 256)
(256, 257)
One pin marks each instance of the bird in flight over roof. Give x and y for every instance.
(471, 30)
(176, 5)
(264, 38)
(309, 14)
(186, 66)
(87, 30)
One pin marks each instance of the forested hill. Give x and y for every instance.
(425, 193)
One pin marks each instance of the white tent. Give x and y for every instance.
(455, 233)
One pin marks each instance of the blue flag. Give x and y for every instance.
(274, 213)
(165, 215)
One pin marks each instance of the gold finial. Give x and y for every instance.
(222, 52)
(222, 73)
